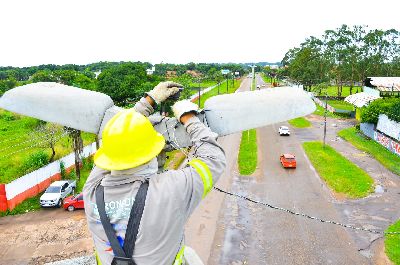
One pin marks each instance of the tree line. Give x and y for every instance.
(124, 82)
(344, 56)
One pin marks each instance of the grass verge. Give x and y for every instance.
(392, 243)
(340, 174)
(300, 122)
(380, 153)
(248, 152)
(222, 90)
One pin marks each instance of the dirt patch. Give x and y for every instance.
(44, 236)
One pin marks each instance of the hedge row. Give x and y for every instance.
(388, 106)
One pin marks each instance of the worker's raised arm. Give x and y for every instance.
(208, 163)
(158, 94)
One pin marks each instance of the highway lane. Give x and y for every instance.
(202, 224)
(252, 234)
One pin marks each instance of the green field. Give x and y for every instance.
(268, 79)
(380, 153)
(340, 174)
(248, 152)
(300, 122)
(340, 104)
(332, 91)
(222, 90)
(392, 243)
(19, 149)
(320, 112)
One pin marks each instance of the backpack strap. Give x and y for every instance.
(135, 218)
(123, 255)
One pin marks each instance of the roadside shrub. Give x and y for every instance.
(394, 113)
(388, 106)
(7, 116)
(63, 172)
(35, 161)
(87, 162)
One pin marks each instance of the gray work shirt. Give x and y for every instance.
(172, 196)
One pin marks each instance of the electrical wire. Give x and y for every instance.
(26, 142)
(31, 146)
(304, 215)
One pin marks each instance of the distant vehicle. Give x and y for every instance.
(263, 85)
(288, 160)
(284, 130)
(258, 86)
(56, 192)
(74, 202)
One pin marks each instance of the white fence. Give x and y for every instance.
(34, 178)
(389, 127)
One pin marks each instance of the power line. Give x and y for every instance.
(27, 141)
(305, 215)
(31, 146)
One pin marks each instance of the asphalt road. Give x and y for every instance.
(253, 234)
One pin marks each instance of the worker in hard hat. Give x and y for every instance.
(126, 161)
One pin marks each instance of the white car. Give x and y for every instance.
(284, 130)
(56, 193)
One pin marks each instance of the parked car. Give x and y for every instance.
(258, 86)
(284, 130)
(56, 193)
(74, 202)
(288, 160)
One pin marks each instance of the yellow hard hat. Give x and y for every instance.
(129, 140)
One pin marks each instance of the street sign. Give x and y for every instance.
(225, 71)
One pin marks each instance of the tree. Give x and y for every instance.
(123, 82)
(186, 81)
(48, 135)
(44, 76)
(77, 144)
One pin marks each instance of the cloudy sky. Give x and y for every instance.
(37, 32)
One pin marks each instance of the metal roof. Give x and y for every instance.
(360, 99)
(386, 83)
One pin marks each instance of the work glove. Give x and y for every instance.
(164, 90)
(182, 107)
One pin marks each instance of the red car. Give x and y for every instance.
(74, 202)
(288, 160)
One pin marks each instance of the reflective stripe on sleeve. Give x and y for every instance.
(205, 174)
(179, 256)
(98, 262)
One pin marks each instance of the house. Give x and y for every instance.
(150, 71)
(374, 88)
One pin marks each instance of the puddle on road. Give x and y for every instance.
(379, 189)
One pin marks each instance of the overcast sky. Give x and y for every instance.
(37, 32)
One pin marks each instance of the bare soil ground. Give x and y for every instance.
(44, 236)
